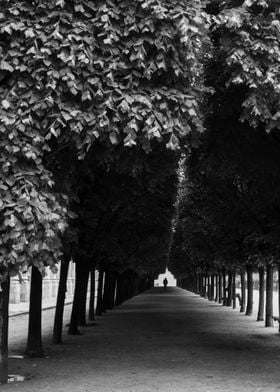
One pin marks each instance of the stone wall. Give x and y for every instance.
(20, 291)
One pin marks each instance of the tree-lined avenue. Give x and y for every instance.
(162, 340)
(135, 136)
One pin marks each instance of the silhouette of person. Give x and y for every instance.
(165, 282)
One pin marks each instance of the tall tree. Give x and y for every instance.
(117, 72)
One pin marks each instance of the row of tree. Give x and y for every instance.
(96, 99)
(228, 216)
(222, 287)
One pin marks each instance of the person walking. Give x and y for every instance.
(165, 283)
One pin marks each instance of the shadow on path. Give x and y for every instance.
(162, 340)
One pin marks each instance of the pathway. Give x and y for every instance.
(168, 341)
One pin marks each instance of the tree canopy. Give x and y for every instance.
(95, 94)
(230, 198)
(78, 74)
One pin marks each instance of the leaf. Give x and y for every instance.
(15, 234)
(66, 116)
(173, 143)
(53, 131)
(86, 96)
(54, 269)
(60, 3)
(6, 66)
(113, 138)
(11, 221)
(6, 104)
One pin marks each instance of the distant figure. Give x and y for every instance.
(165, 283)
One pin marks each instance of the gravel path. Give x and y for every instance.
(168, 341)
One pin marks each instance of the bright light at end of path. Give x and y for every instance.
(171, 280)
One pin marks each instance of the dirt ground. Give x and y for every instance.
(168, 341)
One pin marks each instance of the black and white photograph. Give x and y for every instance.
(139, 195)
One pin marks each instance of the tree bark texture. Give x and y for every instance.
(81, 274)
(261, 295)
(59, 310)
(212, 287)
(200, 285)
(220, 300)
(279, 296)
(234, 290)
(83, 295)
(249, 308)
(196, 283)
(119, 292)
(112, 299)
(106, 292)
(269, 296)
(4, 327)
(34, 346)
(229, 293)
(209, 287)
(99, 304)
(243, 291)
(204, 286)
(217, 288)
(224, 288)
(92, 295)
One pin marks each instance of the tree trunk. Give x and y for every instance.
(58, 319)
(83, 294)
(243, 291)
(220, 300)
(204, 286)
(99, 305)
(197, 283)
(229, 296)
(106, 291)
(279, 296)
(224, 288)
(112, 298)
(201, 285)
(249, 308)
(234, 290)
(209, 287)
(76, 306)
(119, 293)
(4, 324)
(34, 346)
(212, 287)
(217, 287)
(261, 295)
(92, 294)
(269, 296)
(128, 285)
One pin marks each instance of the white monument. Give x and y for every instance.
(170, 277)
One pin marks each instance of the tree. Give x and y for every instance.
(64, 84)
(234, 167)
(248, 36)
